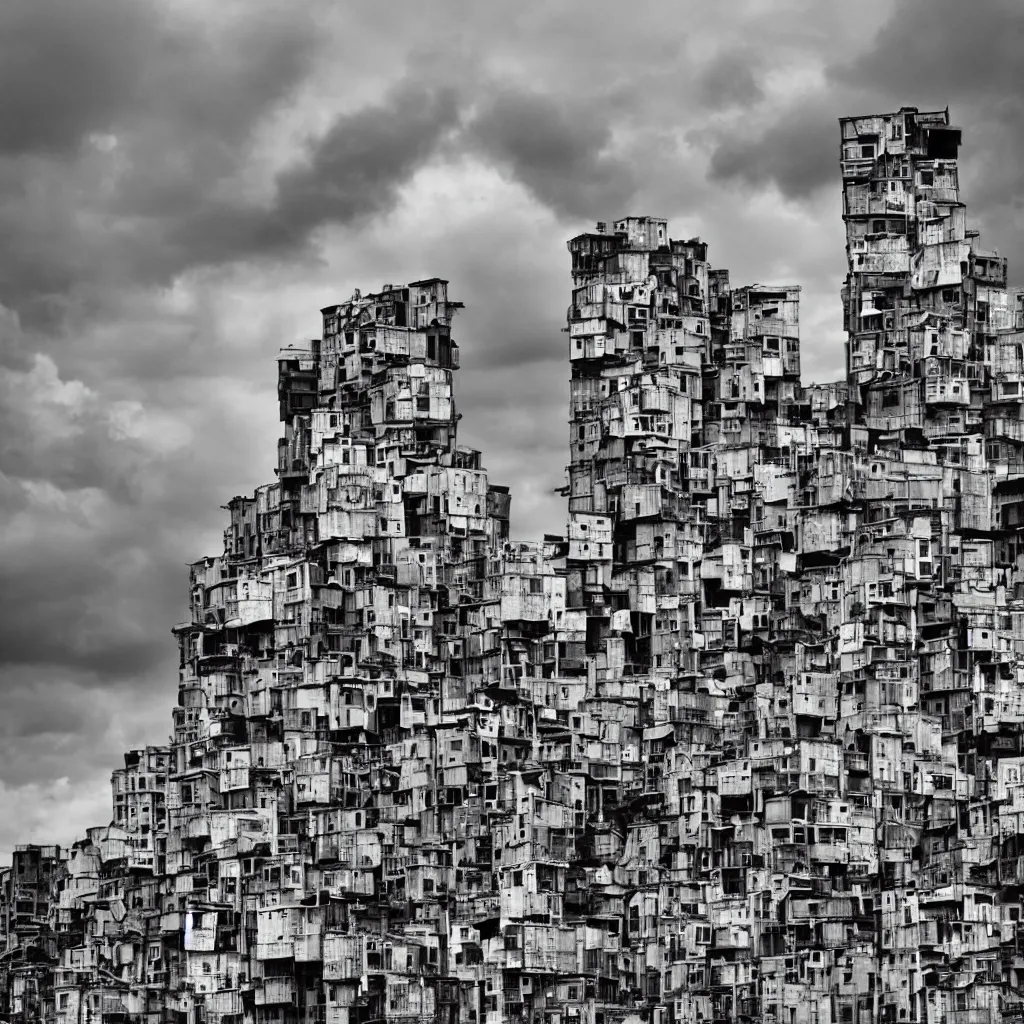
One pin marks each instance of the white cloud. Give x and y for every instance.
(58, 811)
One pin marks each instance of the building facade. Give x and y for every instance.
(745, 744)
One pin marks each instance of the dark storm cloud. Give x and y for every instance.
(519, 324)
(796, 152)
(12, 497)
(730, 79)
(181, 99)
(932, 53)
(93, 570)
(171, 212)
(78, 544)
(71, 69)
(67, 608)
(86, 459)
(351, 173)
(92, 582)
(558, 150)
(68, 69)
(177, 98)
(354, 172)
(356, 168)
(56, 755)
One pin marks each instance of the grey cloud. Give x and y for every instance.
(351, 173)
(184, 96)
(25, 718)
(98, 528)
(67, 69)
(933, 52)
(796, 152)
(559, 151)
(12, 496)
(42, 739)
(69, 610)
(524, 438)
(184, 106)
(72, 463)
(180, 99)
(518, 325)
(99, 598)
(62, 433)
(729, 80)
(71, 69)
(13, 353)
(355, 169)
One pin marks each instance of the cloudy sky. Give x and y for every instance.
(184, 184)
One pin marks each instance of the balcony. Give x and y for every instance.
(858, 168)
(275, 991)
(275, 950)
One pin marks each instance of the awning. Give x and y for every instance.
(659, 732)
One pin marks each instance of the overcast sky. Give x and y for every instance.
(183, 185)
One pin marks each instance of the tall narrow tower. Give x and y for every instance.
(639, 332)
(922, 302)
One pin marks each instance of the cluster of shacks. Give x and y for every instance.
(744, 745)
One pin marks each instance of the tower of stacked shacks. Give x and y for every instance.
(745, 745)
